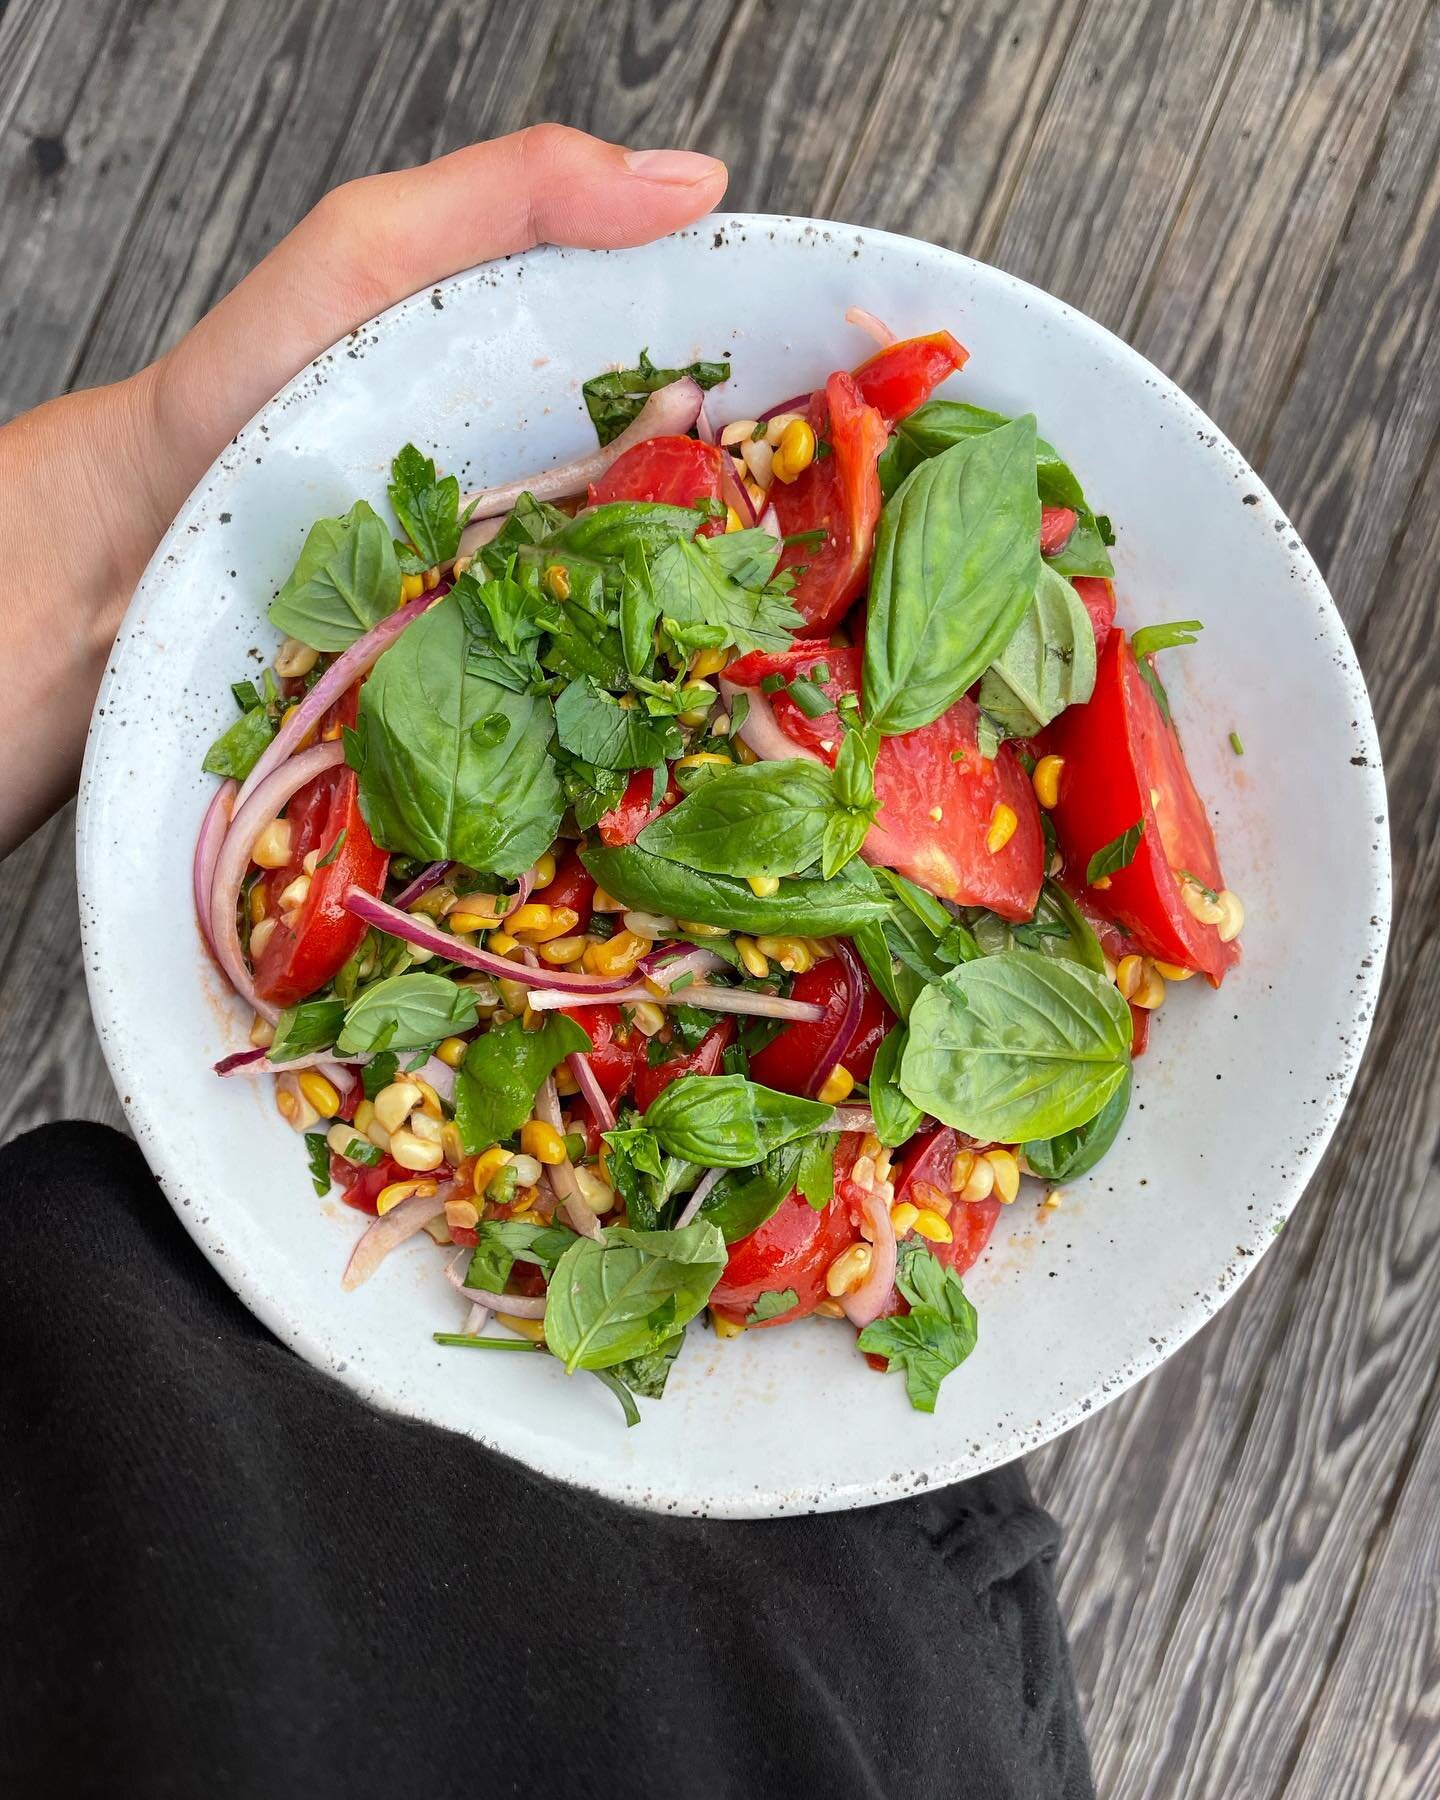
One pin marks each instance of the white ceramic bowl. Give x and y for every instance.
(1236, 1098)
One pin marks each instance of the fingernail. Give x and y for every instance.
(680, 166)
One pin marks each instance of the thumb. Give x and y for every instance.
(373, 241)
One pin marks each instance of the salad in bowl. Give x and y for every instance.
(711, 876)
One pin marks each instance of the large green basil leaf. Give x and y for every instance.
(594, 726)
(727, 1122)
(1057, 929)
(453, 765)
(610, 530)
(346, 581)
(496, 1085)
(764, 818)
(406, 1012)
(1048, 664)
(302, 1030)
(743, 1199)
(629, 1293)
(896, 1117)
(691, 583)
(1074, 1153)
(811, 908)
(957, 559)
(238, 748)
(1016, 1046)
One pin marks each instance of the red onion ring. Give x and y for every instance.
(878, 329)
(401, 1222)
(698, 1198)
(562, 1174)
(770, 520)
(710, 999)
(437, 1075)
(760, 730)
(704, 430)
(733, 489)
(666, 967)
(593, 1094)
(669, 412)
(519, 1306)
(213, 829)
(851, 1118)
(849, 1019)
(422, 884)
(866, 1303)
(476, 535)
(797, 403)
(248, 822)
(257, 1062)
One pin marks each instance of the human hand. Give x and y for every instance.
(135, 449)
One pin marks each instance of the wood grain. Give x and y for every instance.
(1250, 192)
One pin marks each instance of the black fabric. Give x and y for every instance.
(221, 1574)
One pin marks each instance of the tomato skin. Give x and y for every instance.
(1097, 596)
(792, 1249)
(617, 1052)
(299, 958)
(625, 821)
(902, 376)
(678, 471)
(572, 887)
(839, 492)
(704, 1059)
(1118, 748)
(789, 1061)
(365, 1184)
(1056, 524)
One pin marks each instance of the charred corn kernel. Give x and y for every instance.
(364, 1114)
(1151, 991)
(452, 1144)
(462, 1213)
(561, 951)
(1006, 1171)
(795, 451)
(707, 662)
(1173, 971)
(598, 1195)
(647, 1017)
(902, 1217)
(272, 848)
(533, 1329)
(725, 1328)
(394, 1103)
(696, 928)
(602, 902)
(839, 1084)
(461, 922)
(738, 431)
(414, 1152)
(733, 521)
(1046, 780)
(488, 1165)
(262, 1033)
(1130, 975)
(396, 1191)
(565, 1082)
(557, 580)
(980, 1183)
(792, 954)
(775, 428)
(931, 1226)
(524, 1201)
(697, 757)
(321, 1094)
(1232, 920)
(451, 1051)
(286, 1103)
(543, 1142)
(615, 956)
(259, 902)
(294, 659)
(411, 587)
(848, 1270)
(1002, 828)
(501, 943)
(649, 925)
(544, 872)
(534, 923)
(461, 564)
(743, 752)
(755, 963)
(432, 577)
(429, 1100)
(762, 886)
(516, 996)
(260, 936)
(1200, 905)
(526, 1170)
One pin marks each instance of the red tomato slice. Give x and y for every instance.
(1056, 524)
(840, 494)
(904, 374)
(1119, 752)
(704, 1059)
(792, 1249)
(625, 821)
(679, 471)
(1097, 596)
(917, 773)
(573, 886)
(789, 1061)
(313, 945)
(924, 1180)
(618, 1050)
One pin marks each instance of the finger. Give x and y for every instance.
(373, 241)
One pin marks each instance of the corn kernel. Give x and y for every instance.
(755, 963)
(848, 1270)
(340, 1138)
(516, 995)
(1232, 916)
(294, 659)
(762, 886)
(792, 954)
(259, 902)
(1173, 971)
(452, 1144)
(931, 1226)
(411, 587)
(1199, 903)
(260, 936)
(414, 1152)
(451, 1051)
(394, 1104)
(396, 1191)
(1002, 828)
(557, 580)
(560, 952)
(707, 662)
(1046, 780)
(1130, 975)
(980, 1183)
(460, 922)
(733, 521)
(598, 1195)
(524, 1201)
(775, 428)
(535, 923)
(1100, 883)
(960, 1170)
(262, 1033)
(432, 577)
(272, 848)
(725, 1328)
(501, 943)
(759, 460)
(602, 902)
(543, 1142)
(647, 1017)
(364, 1113)
(321, 1093)
(902, 1217)
(544, 871)
(838, 1086)
(738, 431)
(429, 1099)
(795, 452)
(697, 928)
(649, 925)
(1006, 1170)
(615, 956)
(743, 752)
(696, 757)
(488, 1165)
(533, 1329)
(565, 1082)
(462, 1213)
(525, 1169)
(1151, 991)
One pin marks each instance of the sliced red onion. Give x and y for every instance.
(213, 829)
(704, 430)
(851, 1118)
(476, 1320)
(698, 1198)
(710, 999)
(667, 967)
(521, 894)
(878, 329)
(249, 820)
(337, 680)
(422, 884)
(797, 403)
(669, 412)
(868, 1300)
(439, 1076)
(341, 1078)
(770, 520)
(418, 930)
(257, 1062)
(476, 535)
(562, 1174)
(760, 730)
(519, 1306)
(849, 1019)
(733, 489)
(401, 1222)
(594, 1095)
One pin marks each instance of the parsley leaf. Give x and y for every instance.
(771, 1306)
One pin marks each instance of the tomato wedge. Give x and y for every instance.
(789, 1061)
(634, 811)
(679, 471)
(924, 1181)
(839, 494)
(572, 886)
(1056, 524)
(902, 376)
(792, 1249)
(704, 1059)
(1123, 766)
(938, 768)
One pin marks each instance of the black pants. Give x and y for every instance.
(222, 1574)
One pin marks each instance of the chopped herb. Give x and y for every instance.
(334, 850)
(318, 1151)
(772, 1306)
(821, 672)
(1235, 743)
(813, 701)
(772, 684)
(1208, 892)
(379, 1072)
(1118, 854)
(466, 1341)
(1174, 636)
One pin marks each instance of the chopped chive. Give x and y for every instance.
(821, 672)
(813, 701)
(772, 684)
(334, 850)
(817, 536)
(469, 1342)
(1235, 743)
(761, 427)
(683, 982)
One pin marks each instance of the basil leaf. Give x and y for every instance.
(692, 584)
(379, 1072)
(639, 611)
(749, 557)
(727, 1122)
(593, 725)
(763, 818)
(772, 1305)
(815, 1175)
(317, 1151)
(1085, 551)
(501, 616)
(1150, 638)
(1016, 1046)
(743, 1199)
(1073, 1153)
(603, 532)
(935, 1336)
(504, 1242)
(635, 1162)
(406, 1012)
(1119, 853)
(896, 1117)
(812, 908)
(238, 748)
(844, 833)
(496, 1085)
(530, 522)
(428, 786)
(957, 560)
(647, 1374)
(626, 1295)
(302, 1030)
(855, 770)
(1057, 929)
(1048, 664)
(428, 508)
(617, 398)
(345, 582)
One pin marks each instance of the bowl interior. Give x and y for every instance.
(1236, 1098)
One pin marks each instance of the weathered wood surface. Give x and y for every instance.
(1250, 192)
